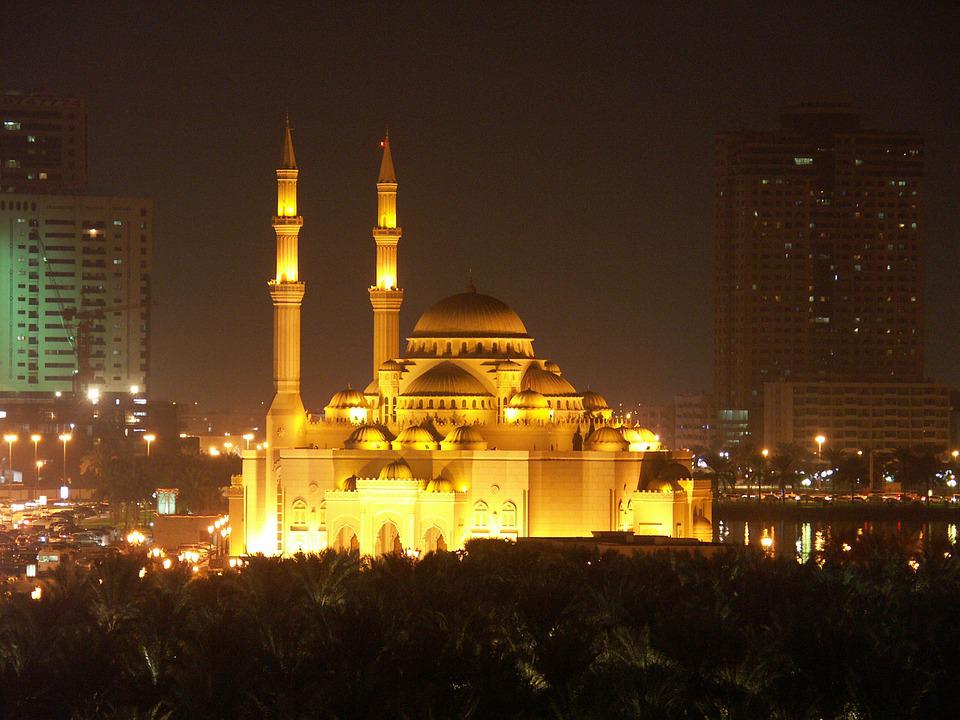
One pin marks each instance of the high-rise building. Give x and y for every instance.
(43, 144)
(818, 237)
(74, 294)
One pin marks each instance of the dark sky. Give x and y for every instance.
(563, 152)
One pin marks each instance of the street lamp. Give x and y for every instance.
(65, 438)
(763, 466)
(36, 438)
(39, 464)
(820, 440)
(149, 438)
(248, 437)
(10, 439)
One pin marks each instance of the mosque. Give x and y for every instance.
(465, 434)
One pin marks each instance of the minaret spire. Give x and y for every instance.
(285, 420)
(385, 296)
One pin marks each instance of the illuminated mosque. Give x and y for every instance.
(466, 434)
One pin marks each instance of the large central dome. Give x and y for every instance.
(469, 314)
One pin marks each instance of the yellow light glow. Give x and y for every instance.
(388, 282)
(10, 438)
(358, 415)
(765, 452)
(150, 437)
(36, 593)
(167, 563)
(66, 437)
(214, 452)
(36, 438)
(820, 439)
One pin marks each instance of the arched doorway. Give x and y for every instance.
(388, 539)
(433, 540)
(346, 540)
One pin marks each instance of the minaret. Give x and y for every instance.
(385, 296)
(286, 417)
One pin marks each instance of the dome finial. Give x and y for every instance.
(470, 285)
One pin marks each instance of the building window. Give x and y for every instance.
(480, 514)
(508, 515)
(298, 518)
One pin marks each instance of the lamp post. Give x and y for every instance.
(820, 440)
(65, 438)
(10, 439)
(248, 437)
(39, 464)
(763, 466)
(149, 438)
(36, 438)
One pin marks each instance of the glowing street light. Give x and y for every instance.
(10, 439)
(65, 438)
(248, 437)
(36, 438)
(148, 439)
(820, 440)
(38, 464)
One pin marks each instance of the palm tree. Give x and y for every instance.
(785, 464)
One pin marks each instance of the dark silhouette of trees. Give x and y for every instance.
(500, 631)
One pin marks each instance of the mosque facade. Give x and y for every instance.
(464, 433)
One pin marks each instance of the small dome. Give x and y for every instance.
(507, 366)
(439, 485)
(415, 437)
(551, 367)
(368, 437)
(397, 470)
(348, 398)
(392, 366)
(464, 437)
(469, 314)
(664, 486)
(528, 400)
(675, 471)
(348, 484)
(647, 435)
(605, 438)
(545, 383)
(445, 379)
(594, 401)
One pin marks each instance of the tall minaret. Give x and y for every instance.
(385, 296)
(286, 417)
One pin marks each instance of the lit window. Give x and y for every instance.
(299, 514)
(508, 515)
(480, 514)
(11, 125)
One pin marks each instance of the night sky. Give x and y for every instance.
(562, 152)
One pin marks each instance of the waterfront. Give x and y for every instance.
(801, 536)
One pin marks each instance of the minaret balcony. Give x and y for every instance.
(284, 292)
(387, 236)
(281, 220)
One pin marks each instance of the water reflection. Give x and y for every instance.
(803, 539)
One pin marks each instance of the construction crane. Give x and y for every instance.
(80, 338)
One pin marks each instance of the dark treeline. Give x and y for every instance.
(505, 631)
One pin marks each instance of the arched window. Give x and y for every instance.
(508, 515)
(419, 404)
(480, 514)
(430, 404)
(463, 404)
(298, 516)
(479, 347)
(463, 348)
(442, 406)
(495, 346)
(474, 403)
(323, 513)
(449, 349)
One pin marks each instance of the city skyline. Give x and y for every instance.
(585, 176)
